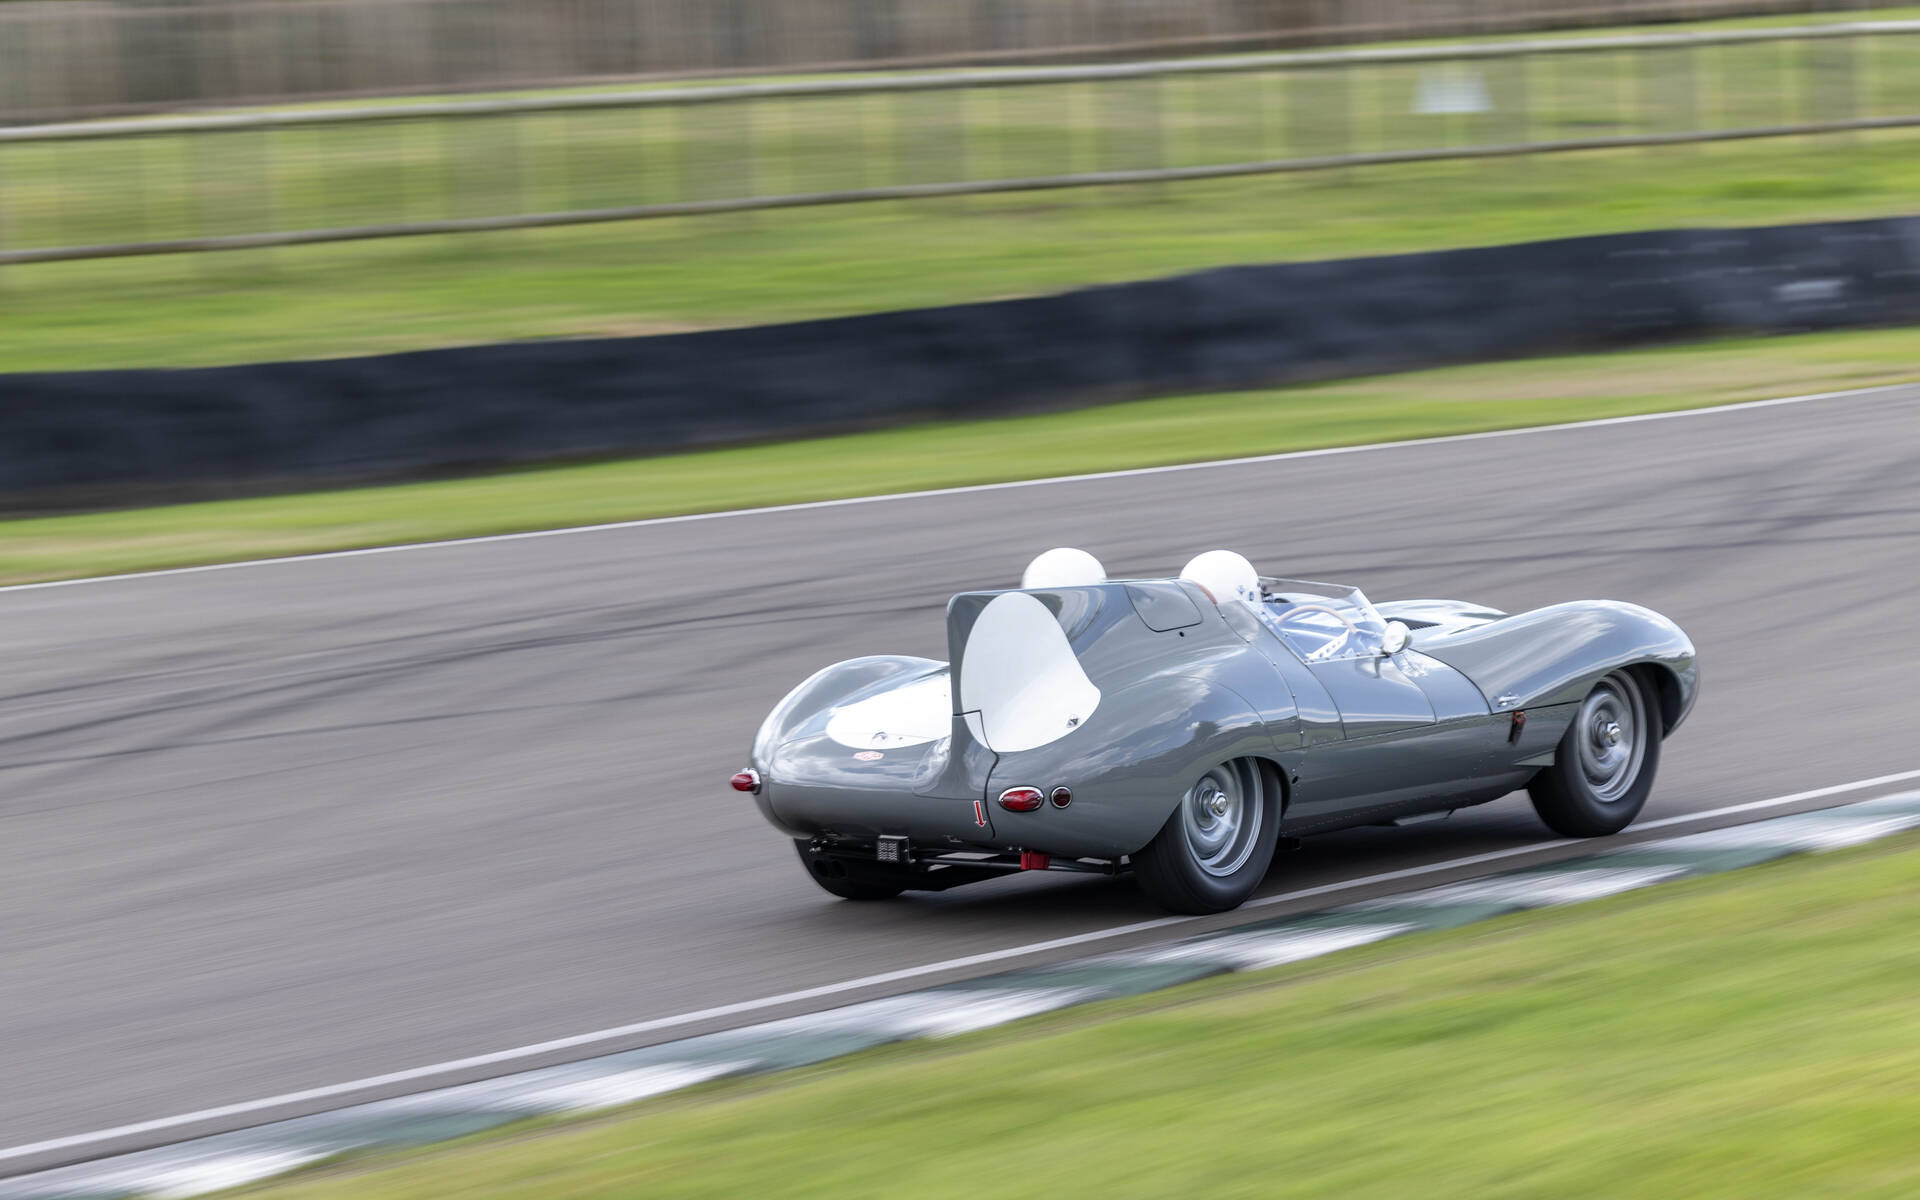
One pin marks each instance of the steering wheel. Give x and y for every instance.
(1346, 635)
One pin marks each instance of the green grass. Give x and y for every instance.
(645, 277)
(1750, 1035)
(1178, 429)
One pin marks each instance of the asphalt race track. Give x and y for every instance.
(283, 826)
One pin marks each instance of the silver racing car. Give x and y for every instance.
(1181, 728)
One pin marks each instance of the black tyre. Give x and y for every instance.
(849, 881)
(1604, 768)
(1216, 847)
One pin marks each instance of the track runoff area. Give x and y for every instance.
(257, 1152)
(968, 991)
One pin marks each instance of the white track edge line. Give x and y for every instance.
(583, 1039)
(1005, 485)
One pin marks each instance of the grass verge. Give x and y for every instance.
(672, 275)
(1741, 1036)
(1144, 433)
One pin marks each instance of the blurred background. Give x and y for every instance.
(777, 103)
(235, 182)
(71, 58)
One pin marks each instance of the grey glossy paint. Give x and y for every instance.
(1185, 685)
(1553, 655)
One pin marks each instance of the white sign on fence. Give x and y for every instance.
(1452, 88)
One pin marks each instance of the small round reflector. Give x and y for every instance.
(746, 781)
(1022, 799)
(1062, 796)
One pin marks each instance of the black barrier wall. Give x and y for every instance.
(1237, 327)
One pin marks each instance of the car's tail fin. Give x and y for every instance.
(1017, 683)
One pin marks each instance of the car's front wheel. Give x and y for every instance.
(847, 880)
(1603, 770)
(1216, 847)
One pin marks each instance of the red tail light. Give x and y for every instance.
(746, 781)
(1022, 799)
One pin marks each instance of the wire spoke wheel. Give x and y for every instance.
(1221, 816)
(1610, 737)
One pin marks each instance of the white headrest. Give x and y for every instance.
(1225, 575)
(1063, 566)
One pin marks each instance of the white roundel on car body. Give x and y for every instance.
(910, 715)
(1019, 673)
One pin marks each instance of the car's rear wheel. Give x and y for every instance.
(1603, 770)
(1216, 847)
(847, 880)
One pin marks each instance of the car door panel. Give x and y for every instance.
(1418, 733)
(1374, 696)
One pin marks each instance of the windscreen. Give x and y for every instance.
(1321, 622)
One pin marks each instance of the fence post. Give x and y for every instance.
(1079, 130)
(1668, 91)
(1327, 92)
(269, 190)
(1833, 66)
(1522, 101)
(7, 155)
(749, 176)
(1264, 85)
(1164, 92)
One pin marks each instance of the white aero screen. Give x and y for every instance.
(1020, 674)
(916, 712)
